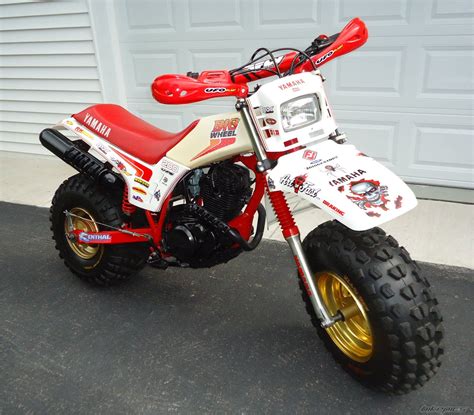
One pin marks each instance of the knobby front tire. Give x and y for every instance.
(400, 347)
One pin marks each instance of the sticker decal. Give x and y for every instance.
(331, 170)
(137, 198)
(271, 183)
(97, 125)
(215, 90)
(299, 184)
(328, 55)
(334, 208)
(138, 190)
(222, 135)
(120, 166)
(157, 195)
(291, 84)
(319, 162)
(267, 110)
(169, 167)
(348, 177)
(87, 238)
(102, 149)
(142, 182)
(266, 64)
(310, 155)
(368, 194)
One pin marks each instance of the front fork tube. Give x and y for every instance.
(292, 235)
(310, 285)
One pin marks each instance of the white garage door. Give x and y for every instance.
(405, 97)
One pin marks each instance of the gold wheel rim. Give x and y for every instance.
(353, 335)
(82, 221)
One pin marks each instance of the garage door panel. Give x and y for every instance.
(301, 13)
(441, 148)
(374, 72)
(142, 65)
(448, 71)
(146, 16)
(374, 12)
(211, 15)
(452, 12)
(404, 98)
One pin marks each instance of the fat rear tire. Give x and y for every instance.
(112, 264)
(402, 310)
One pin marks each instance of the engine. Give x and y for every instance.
(195, 232)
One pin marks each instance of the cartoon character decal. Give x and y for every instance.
(298, 182)
(368, 194)
(331, 170)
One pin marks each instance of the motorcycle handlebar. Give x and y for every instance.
(322, 50)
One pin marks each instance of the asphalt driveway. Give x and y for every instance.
(231, 339)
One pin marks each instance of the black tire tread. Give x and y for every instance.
(398, 296)
(123, 260)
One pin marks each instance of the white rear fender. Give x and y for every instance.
(353, 188)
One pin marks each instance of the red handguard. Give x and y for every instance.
(353, 36)
(182, 89)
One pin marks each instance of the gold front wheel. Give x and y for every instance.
(353, 335)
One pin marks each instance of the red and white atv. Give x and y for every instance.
(189, 199)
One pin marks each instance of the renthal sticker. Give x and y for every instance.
(142, 182)
(328, 55)
(346, 178)
(138, 190)
(310, 155)
(87, 238)
(291, 84)
(169, 167)
(137, 198)
(334, 208)
(157, 195)
(95, 124)
(300, 185)
(270, 121)
(266, 64)
(222, 135)
(215, 90)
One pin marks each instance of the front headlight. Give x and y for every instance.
(300, 112)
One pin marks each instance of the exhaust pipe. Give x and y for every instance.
(82, 161)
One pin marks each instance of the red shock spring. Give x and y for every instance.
(127, 207)
(283, 213)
